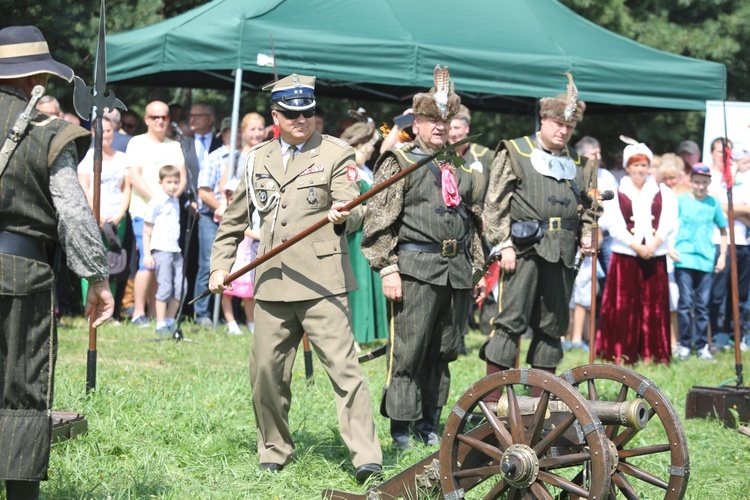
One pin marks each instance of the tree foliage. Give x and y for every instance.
(714, 30)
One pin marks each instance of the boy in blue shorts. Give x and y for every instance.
(161, 246)
(695, 260)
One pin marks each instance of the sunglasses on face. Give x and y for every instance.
(293, 115)
(159, 117)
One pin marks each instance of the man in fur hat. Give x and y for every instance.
(537, 206)
(423, 234)
(41, 204)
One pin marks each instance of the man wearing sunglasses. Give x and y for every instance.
(293, 182)
(147, 153)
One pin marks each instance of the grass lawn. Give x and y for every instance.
(174, 420)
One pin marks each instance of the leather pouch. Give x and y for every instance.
(525, 233)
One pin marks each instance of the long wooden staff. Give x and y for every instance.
(733, 278)
(322, 222)
(90, 102)
(594, 256)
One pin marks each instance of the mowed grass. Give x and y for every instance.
(174, 420)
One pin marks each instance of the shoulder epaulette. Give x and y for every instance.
(478, 149)
(523, 145)
(335, 140)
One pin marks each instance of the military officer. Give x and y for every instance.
(539, 188)
(293, 181)
(422, 235)
(41, 204)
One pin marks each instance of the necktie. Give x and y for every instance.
(201, 151)
(291, 151)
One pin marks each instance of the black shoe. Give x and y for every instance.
(367, 471)
(401, 443)
(271, 466)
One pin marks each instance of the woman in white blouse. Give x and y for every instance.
(114, 197)
(634, 319)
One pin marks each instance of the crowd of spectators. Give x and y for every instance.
(649, 223)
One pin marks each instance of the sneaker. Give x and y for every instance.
(204, 322)
(705, 353)
(234, 329)
(583, 346)
(682, 352)
(141, 322)
(744, 347)
(566, 345)
(164, 330)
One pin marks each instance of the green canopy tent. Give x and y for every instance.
(502, 53)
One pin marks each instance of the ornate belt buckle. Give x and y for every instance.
(555, 224)
(450, 248)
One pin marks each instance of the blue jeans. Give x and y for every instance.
(721, 291)
(206, 234)
(695, 294)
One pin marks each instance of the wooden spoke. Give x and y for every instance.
(641, 474)
(622, 483)
(644, 450)
(497, 490)
(551, 438)
(514, 416)
(485, 448)
(593, 395)
(563, 484)
(498, 428)
(537, 423)
(548, 463)
(478, 472)
(540, 491)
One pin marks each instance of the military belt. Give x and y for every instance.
(555, 224)
(23, 246)
(448, 248)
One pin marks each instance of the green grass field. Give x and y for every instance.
(174, 420)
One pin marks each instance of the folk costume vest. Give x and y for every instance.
(427, 220)
(25, 201)
(545, 199)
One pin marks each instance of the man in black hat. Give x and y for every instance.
(41, 205)
(293, 182)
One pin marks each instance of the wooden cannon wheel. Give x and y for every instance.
(634, 457)
(515, 451)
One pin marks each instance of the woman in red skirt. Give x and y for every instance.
(634, 320)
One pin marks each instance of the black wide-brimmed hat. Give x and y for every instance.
(24, 52)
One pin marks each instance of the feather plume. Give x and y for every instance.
(628, 140)
(360, 114)
(442, 87)
(572, 99)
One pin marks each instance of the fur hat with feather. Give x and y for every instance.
(564, 107)
(441, 102)
(362, 131)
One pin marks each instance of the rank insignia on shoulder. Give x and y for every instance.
(351, 174)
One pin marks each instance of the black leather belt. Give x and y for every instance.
(448, 248)
(23, 246)
(555, 224)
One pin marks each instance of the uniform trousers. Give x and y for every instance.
(279, 327)
(28, 348)
(535, 296)
(426, 328)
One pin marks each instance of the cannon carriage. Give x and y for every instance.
(596, 431)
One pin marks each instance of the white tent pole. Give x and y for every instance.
(235, 120)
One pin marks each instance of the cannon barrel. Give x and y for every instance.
(633, 413)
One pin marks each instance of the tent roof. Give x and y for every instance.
(501, 53)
